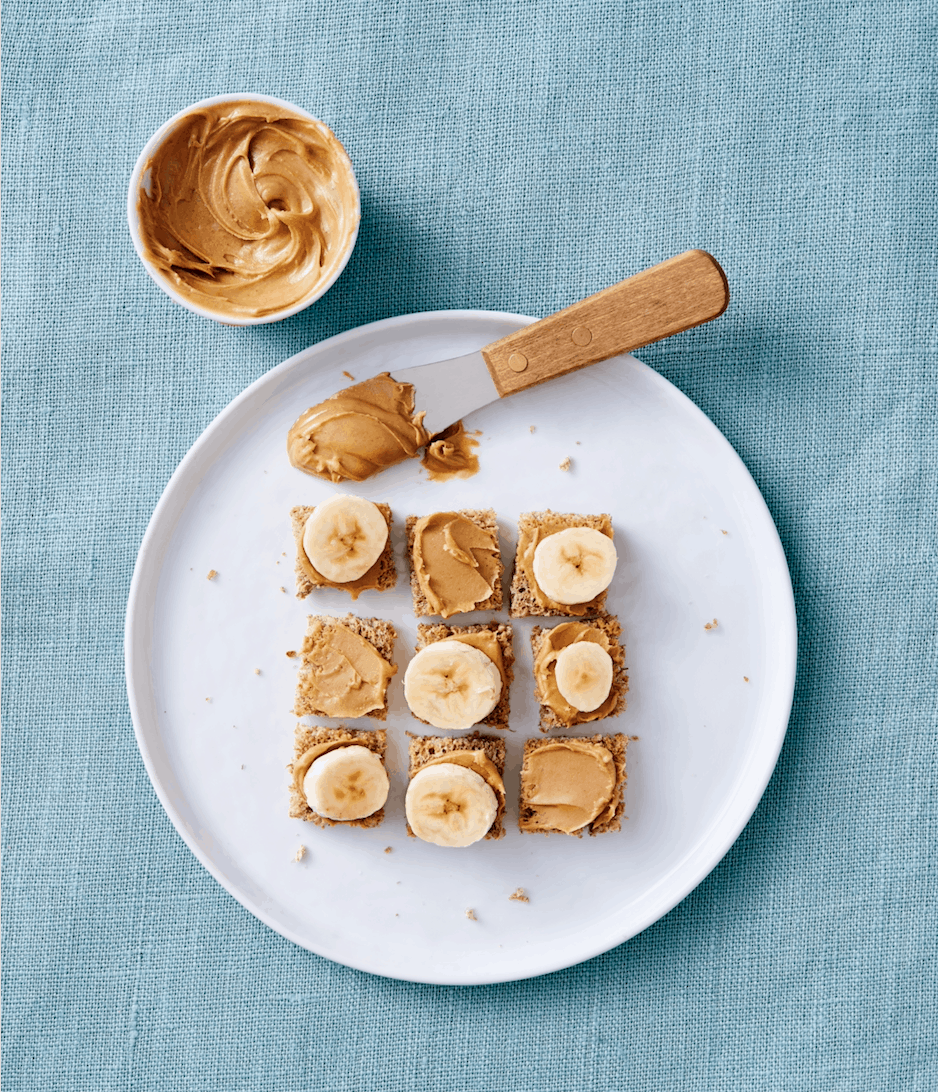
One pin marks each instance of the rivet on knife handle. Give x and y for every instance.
(676, 295)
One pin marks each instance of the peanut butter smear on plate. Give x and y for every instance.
(571, 782)
(450, 454)
(455, 561)
(358, 432)
(248, 209)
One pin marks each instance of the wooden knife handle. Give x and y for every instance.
(682, 292)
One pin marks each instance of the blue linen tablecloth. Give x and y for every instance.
(513, 156)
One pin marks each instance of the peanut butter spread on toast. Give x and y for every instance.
(568, 784)
(455, 561)
(553, 642)
(344, 675)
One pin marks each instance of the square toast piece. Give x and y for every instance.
(378, 632)
(423, 748)
(381, 576)
(524, 600)
(307, 738)
(481, 517)
(430, 634)
(609, 625)
(616, 745)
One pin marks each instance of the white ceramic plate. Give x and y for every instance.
(695, 541)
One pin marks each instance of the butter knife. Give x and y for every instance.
(678, 294)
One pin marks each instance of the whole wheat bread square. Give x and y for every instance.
(306, 738)
(481, 517)
(378, 632)
(423, 748)
(524, 601)
(616, 745)
(608, 624)
(385, 576)
(429, 634)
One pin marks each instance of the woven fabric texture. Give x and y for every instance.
(516, 156)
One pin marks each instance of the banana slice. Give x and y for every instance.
(583, 672)
(452, 685)
(347, 783)
(574, 565)
(344, 537)
(450, 805)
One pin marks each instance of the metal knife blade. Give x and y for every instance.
(449, 389)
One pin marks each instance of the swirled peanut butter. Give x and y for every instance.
(450, 454)
(567, 784)
(343, 675)
(552, 643)
(455, 562)
(250, 208)
(358, 432)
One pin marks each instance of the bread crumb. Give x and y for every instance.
(301, 852)
(348, 375)
(291, 652)
(711, 625)
(212, 573)
(518, 896)
(722, 532)
(284, 554)
(566, 464)
(745, 678)
(532, 428)
(242, 765)
(578, 443)
(389, 849)
(282, 588)
(471, 914)
(208, 699)
(257, 671)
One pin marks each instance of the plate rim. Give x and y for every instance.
(135, 658)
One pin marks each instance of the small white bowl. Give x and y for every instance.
(139, 180)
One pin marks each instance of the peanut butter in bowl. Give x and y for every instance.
(244, 209)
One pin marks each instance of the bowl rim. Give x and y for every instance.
(133, 219)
